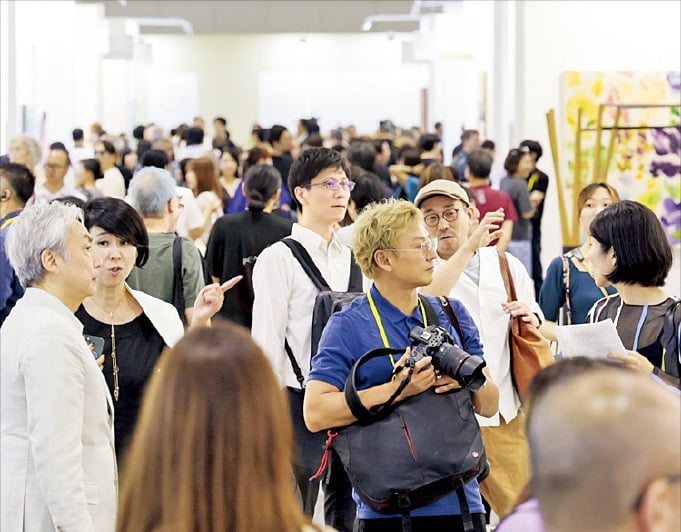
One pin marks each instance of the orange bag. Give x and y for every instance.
(530, 351)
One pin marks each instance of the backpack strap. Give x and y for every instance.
(178, 291)
(355, 282)
(310, 268)
(566, 282)
(306, 262)
(465, 510)
(294, 365)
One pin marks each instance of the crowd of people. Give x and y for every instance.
(156, 320)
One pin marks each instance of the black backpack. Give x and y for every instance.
(327, 301)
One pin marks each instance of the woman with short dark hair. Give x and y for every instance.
(128, 329)
(630, 250)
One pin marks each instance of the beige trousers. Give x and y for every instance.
(508, 456)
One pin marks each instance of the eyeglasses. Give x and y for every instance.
(427, 247)
(333, 184)
(99, 152)
(450, 215)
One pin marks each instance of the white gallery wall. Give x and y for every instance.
(64, 60)
(339, 78)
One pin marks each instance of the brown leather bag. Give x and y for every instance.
(530, 351)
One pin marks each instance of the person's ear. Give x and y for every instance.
(50, 260)
(467, 173)
(613, 257)
(6, 194)
(383, 260)
(655, 512)
(299, 193)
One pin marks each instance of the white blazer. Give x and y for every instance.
(58, 465)
(163, 316)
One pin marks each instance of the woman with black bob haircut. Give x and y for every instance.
(236, 240)
(630, 250)
(128, 329)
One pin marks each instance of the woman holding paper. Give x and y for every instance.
(569, 283)
(630, 250)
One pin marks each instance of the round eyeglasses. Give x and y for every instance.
(427, 247)
(333, 184)
(450, 215)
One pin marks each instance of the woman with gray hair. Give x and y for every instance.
(58, 467)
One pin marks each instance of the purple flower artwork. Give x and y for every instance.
(671, 220)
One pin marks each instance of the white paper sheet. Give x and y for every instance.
(593, 340)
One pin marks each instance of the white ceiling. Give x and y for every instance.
(271, 16)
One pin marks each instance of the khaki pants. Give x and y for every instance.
(508, 456)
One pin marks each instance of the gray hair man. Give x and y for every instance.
(605, 454)
(58, 466)
(154, 195)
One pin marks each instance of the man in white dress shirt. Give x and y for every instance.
(58, 465)
(480, 287)
(284, 299)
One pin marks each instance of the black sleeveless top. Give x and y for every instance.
(138, 347)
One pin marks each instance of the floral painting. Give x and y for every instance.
(645, 163)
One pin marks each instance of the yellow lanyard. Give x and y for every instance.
(8, 221)
(377, 317)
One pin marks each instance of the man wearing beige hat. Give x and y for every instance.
(480, 287)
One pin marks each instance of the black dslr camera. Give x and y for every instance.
(449, 359)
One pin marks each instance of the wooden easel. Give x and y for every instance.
(570, 233)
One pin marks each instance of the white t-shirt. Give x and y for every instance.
(190, 216)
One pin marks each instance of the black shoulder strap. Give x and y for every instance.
(178, 291)
(431, 316)
(310, 268)
(671, 340)
(362, 413)
(355, 283)
(306, 262)
(448, 309)
(294, 365)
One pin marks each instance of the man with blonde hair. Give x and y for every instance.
(605, 454)
(392, 247)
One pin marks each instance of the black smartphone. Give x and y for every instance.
(95, 343)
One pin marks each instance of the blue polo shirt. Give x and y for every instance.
(352, 332)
